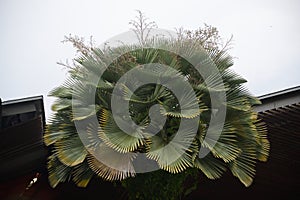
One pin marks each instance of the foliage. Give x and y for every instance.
(161, 185)
(242, 142)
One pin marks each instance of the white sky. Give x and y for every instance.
(266, 37)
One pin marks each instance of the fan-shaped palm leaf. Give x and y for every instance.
(58, 172)
(82, 174)
(174, 154)
(243, 166)
(117, 139)
(212, 167)
(114, 165)
(60, 127)
(224, 146)
(70, 151)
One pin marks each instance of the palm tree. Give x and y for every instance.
(110, 152)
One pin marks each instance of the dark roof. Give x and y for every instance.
(22, 124)
(21, 108)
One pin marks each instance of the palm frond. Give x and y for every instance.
(60, 126)
(212, 167)
(243, 167)
(82, 174)
(145, 55)
(58, 172)
(61, 104)
(236, 99)
(174, 154)
(189, 106)
(52, 137)
(110, 164)
(70, 151)
(91, 65)
(220, 58)
(83, 112)
(61, 92)
(225, 145)
(117, 139)
(263, 144)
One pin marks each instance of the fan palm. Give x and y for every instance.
(242, 141)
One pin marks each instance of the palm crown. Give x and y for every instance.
(241, 143)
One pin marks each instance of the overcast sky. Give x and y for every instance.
(266, 37)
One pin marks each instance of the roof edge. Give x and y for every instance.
(22, 100)
(279, 93)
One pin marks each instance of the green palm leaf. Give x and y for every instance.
(212, 167)
(170, 157)
(115, 138)
(70, 151)
(82, 174)
(189, 108)
(58, 172)
(61, 104)
(173, 154)
(243, 166)
(225, 146)
(60, 126)
(117, 166)
(263, 144)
